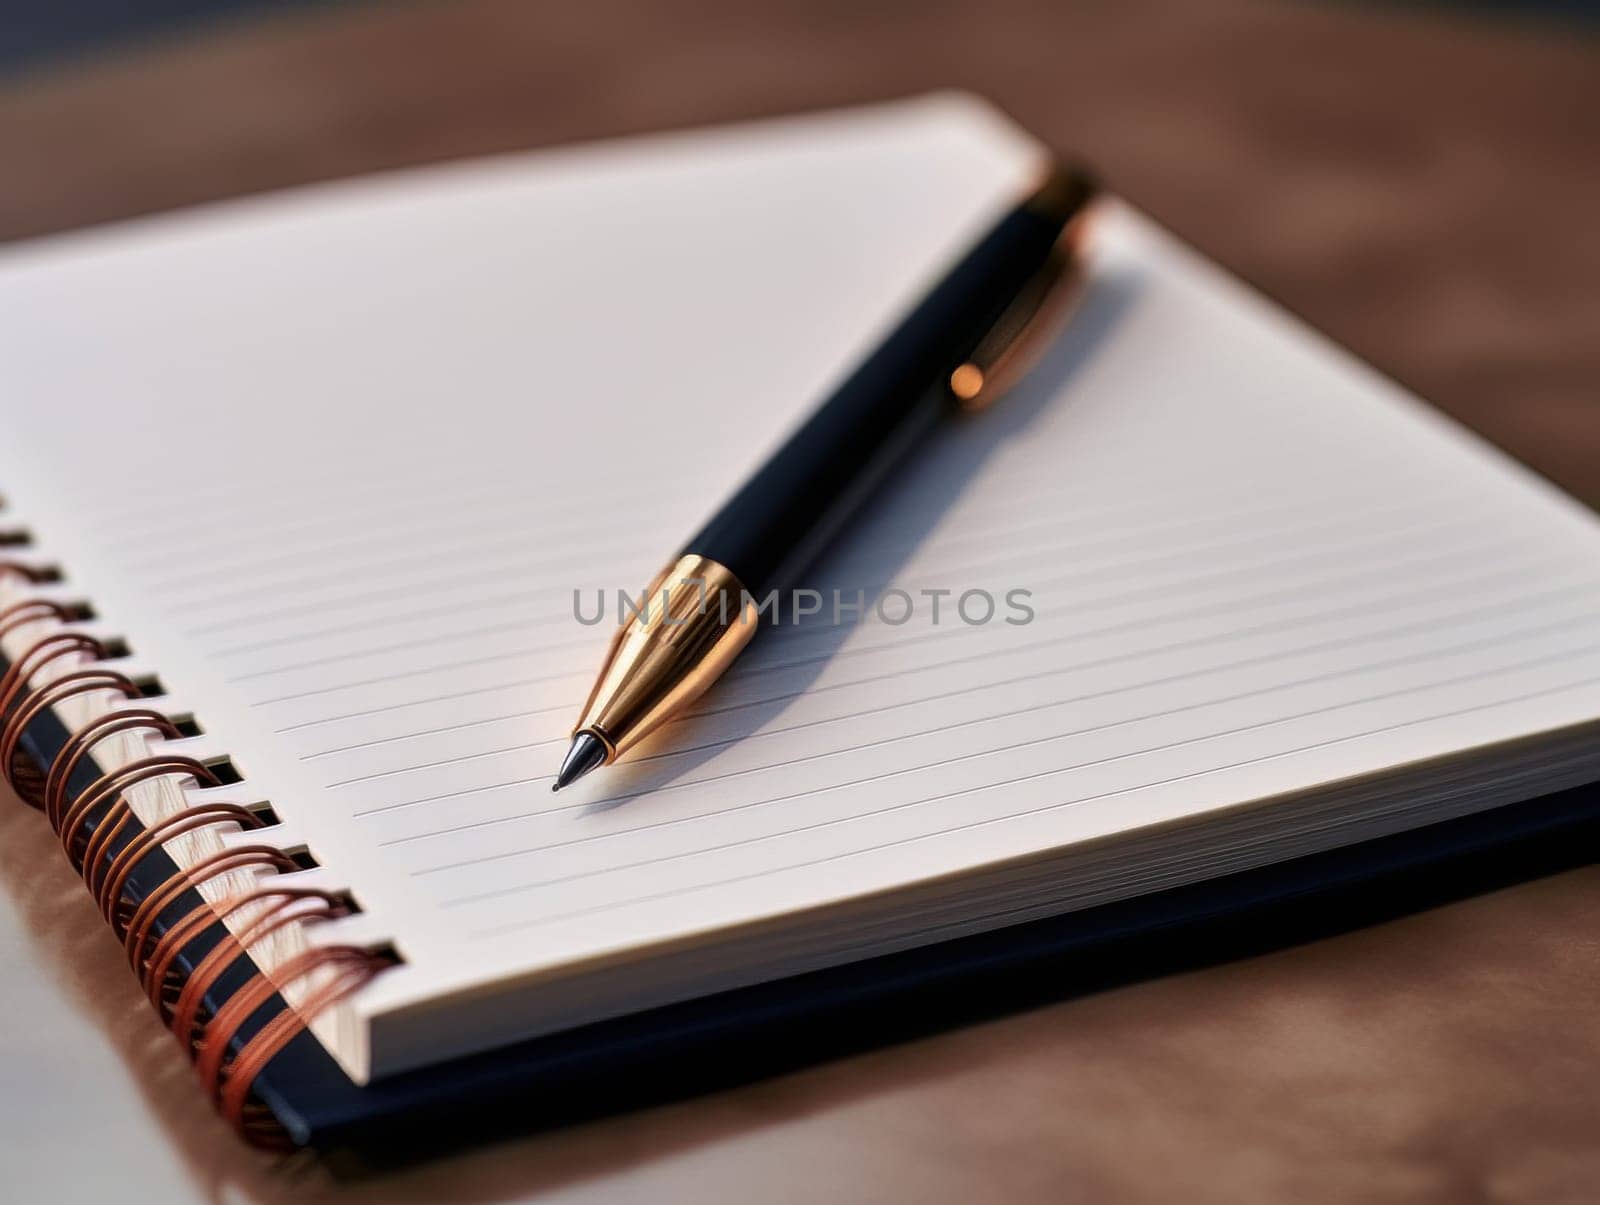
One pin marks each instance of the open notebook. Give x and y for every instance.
(299, 456)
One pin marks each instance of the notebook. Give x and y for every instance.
(327, 486)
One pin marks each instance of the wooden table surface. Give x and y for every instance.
(1423, 189)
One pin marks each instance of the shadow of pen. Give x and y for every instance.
(906, 511)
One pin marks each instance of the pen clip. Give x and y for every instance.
(1025, 327)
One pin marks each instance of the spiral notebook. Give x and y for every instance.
(295, 575)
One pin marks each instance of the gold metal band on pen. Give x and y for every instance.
(694, 620)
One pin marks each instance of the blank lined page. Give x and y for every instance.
(338, 462)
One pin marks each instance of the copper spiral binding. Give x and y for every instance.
(68, 686)
(31, 611)
(229, 1040)
(36, 574)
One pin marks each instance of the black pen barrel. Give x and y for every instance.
(788, 510)
(959, 348)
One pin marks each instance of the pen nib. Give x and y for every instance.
(587, 752)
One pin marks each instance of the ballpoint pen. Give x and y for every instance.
(968, 339)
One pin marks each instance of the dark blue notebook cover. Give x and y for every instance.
(736, 1036)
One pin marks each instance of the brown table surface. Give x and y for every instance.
(1423, 189)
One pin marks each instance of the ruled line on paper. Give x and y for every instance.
(1388, 663)
(405, 565)
(1387, 569)
(454, 696)
(1274, 756)
(339, 526)
(1428, 623)
(1087, 574)
(534, 621)
(401, 570)
(1377, 602)
(454, 608)
(394, 549)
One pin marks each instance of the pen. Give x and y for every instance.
(967, 340)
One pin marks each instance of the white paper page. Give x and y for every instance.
(336, 463)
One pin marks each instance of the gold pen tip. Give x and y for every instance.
(586, 752)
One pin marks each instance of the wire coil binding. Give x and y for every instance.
(231, 1039)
